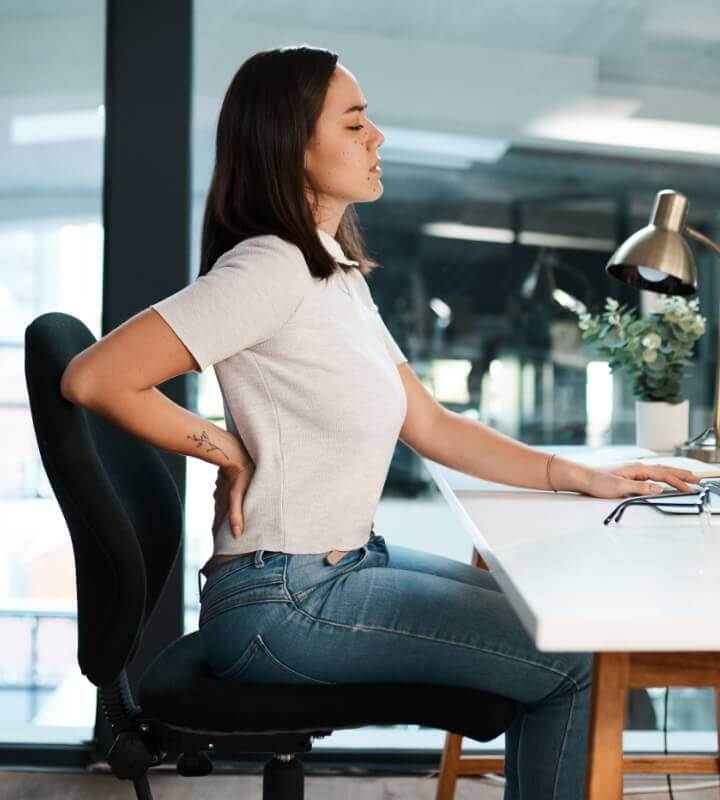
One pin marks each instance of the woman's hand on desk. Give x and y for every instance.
(230, 488)
(635, 478)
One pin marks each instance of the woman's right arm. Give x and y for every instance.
(116, 379)
(251, 291)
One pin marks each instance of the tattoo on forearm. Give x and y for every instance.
(205, 439)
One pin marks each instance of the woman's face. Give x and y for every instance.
(340, 156)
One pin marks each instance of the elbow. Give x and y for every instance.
(74, 385)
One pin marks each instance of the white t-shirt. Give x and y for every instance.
(308, 375)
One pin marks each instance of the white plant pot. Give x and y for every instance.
(661, 426)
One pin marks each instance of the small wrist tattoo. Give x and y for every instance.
(205, 439)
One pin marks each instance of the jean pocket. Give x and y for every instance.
(271, 590)
(257, 664)
(306, 574)
(221, 572)
(350, 560)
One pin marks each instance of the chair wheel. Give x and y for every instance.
(283, 776)
(193, 764)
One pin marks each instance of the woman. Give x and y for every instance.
(300, 589)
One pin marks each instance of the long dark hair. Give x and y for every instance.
(267, 117)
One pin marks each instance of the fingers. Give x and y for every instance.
(642, 487)
(677, 478)
(678, 484)
(686, 474)
(680, 479)
(236, 525)
(672, 480)
(236, 516)
(229, 494)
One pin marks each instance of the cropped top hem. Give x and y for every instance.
(299, 549)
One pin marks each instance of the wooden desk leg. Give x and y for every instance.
(611, 674)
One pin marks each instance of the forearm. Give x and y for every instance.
(153, 417)
(469, 446)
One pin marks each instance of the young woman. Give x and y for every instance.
(300, 588)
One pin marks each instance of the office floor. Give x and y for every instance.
(17, 785)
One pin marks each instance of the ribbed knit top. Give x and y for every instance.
(307, 371)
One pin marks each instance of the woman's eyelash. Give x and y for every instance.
(355, 127)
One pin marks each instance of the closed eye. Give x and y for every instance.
(355, 127)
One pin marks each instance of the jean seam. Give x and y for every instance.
(358, 627)
(213, 612)
(562, 746)
(263, 646)
(245, 657)
(247, 585)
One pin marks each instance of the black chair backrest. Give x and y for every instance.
(119, 500)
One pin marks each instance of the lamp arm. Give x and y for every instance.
(702, 238)
(706, 446)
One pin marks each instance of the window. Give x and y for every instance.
(519, 150)
(51, 108)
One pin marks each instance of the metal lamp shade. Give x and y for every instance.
(657, 257)
(656, 260)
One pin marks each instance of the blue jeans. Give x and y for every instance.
(384, 614)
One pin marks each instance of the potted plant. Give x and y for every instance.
(654, 352)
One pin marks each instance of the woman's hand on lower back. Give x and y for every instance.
(231, 486)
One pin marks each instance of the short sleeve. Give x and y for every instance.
(251, 291)
(391, 345)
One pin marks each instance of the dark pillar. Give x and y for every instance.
(146, 214)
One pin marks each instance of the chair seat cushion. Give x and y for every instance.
(178, 690)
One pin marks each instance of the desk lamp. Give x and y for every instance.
(658, 258)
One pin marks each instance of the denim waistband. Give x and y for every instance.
(255, 558)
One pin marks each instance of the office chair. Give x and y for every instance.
(125, 519)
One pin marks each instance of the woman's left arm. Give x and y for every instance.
(469, 446)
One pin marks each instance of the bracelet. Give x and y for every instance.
(547, 471)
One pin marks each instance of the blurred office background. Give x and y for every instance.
(523, 142)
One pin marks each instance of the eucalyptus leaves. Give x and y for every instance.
(653, 350)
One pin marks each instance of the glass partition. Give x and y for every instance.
(51, 115)
(520, 149)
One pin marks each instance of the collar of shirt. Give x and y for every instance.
(333, 247)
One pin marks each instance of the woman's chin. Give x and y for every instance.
(375, 193)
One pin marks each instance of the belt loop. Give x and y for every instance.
(258, 562)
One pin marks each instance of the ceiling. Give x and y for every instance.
(522, 73)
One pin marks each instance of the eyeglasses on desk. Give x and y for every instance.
(694, 502)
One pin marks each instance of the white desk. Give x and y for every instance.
(648, 585)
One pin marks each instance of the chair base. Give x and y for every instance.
(283, 779)
(146, 743)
